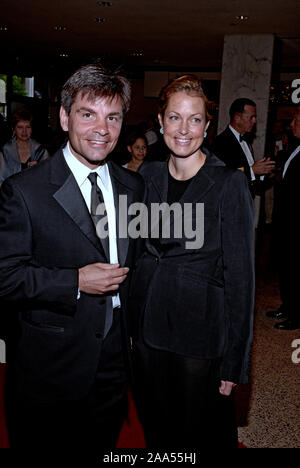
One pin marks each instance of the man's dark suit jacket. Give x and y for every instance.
(199, 302)
(289, 203)
(288, 235)
(228, 149)
(46, 235)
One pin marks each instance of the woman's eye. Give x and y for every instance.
(173, 117)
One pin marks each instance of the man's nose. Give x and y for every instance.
(101, 126)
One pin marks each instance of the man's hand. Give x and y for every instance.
(100, 278)
(226, 387)
(263, 166)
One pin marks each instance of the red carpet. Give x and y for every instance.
(131, 435)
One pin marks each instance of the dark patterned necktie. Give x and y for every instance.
(98, 212)
(96, 200)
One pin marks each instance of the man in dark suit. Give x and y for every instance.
(65, 282)
(233, 145)
(287, 226)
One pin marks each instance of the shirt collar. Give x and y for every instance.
(235, 132)
(81, 171)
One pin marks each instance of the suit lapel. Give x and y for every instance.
(239, 150)
(69, 197)
(196, 190)
(121, 189)
(159, 181)
(198, 187)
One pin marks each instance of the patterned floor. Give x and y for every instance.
(269, 406)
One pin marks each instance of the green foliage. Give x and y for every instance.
(17, 85)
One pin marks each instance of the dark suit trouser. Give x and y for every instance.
(289, 259)
(179, 403)
(93, 422)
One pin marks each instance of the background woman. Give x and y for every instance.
(137, 147)
(21, 151)
(193, 302)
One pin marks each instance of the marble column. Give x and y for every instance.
(246, 72)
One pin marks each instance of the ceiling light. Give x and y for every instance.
(242, 17)
(60, 28)
(105, 4)
(99, 20)
(137, 54)
(3, 28)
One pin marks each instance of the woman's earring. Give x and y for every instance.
(161, 130)
(205, 134)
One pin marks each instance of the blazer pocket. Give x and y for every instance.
(44, 327)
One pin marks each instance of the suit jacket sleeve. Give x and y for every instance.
(22, 278)
(237, 230)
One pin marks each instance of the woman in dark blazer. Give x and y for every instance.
(192, 298)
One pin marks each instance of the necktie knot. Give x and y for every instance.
(93, 177)
(96, 196)
(242, 138)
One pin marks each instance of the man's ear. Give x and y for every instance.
(64, 119)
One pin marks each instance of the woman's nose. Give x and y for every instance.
(183, 127)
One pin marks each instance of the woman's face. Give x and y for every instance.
(139, 149)
(23, 130)
(184, 123)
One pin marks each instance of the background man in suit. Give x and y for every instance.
(67, 372)
(288, 236)
(233, 145)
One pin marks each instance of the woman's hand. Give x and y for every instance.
(226, 387)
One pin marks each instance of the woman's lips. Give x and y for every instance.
(183, 141)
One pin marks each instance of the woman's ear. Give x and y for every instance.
(207, 125)
(160, 119)
(129, 148)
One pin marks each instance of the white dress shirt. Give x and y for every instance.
(81, 172)
(289, 160)
(246, 150)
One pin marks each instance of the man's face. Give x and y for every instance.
(295, 124)
(246, 119)
(94, 127)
